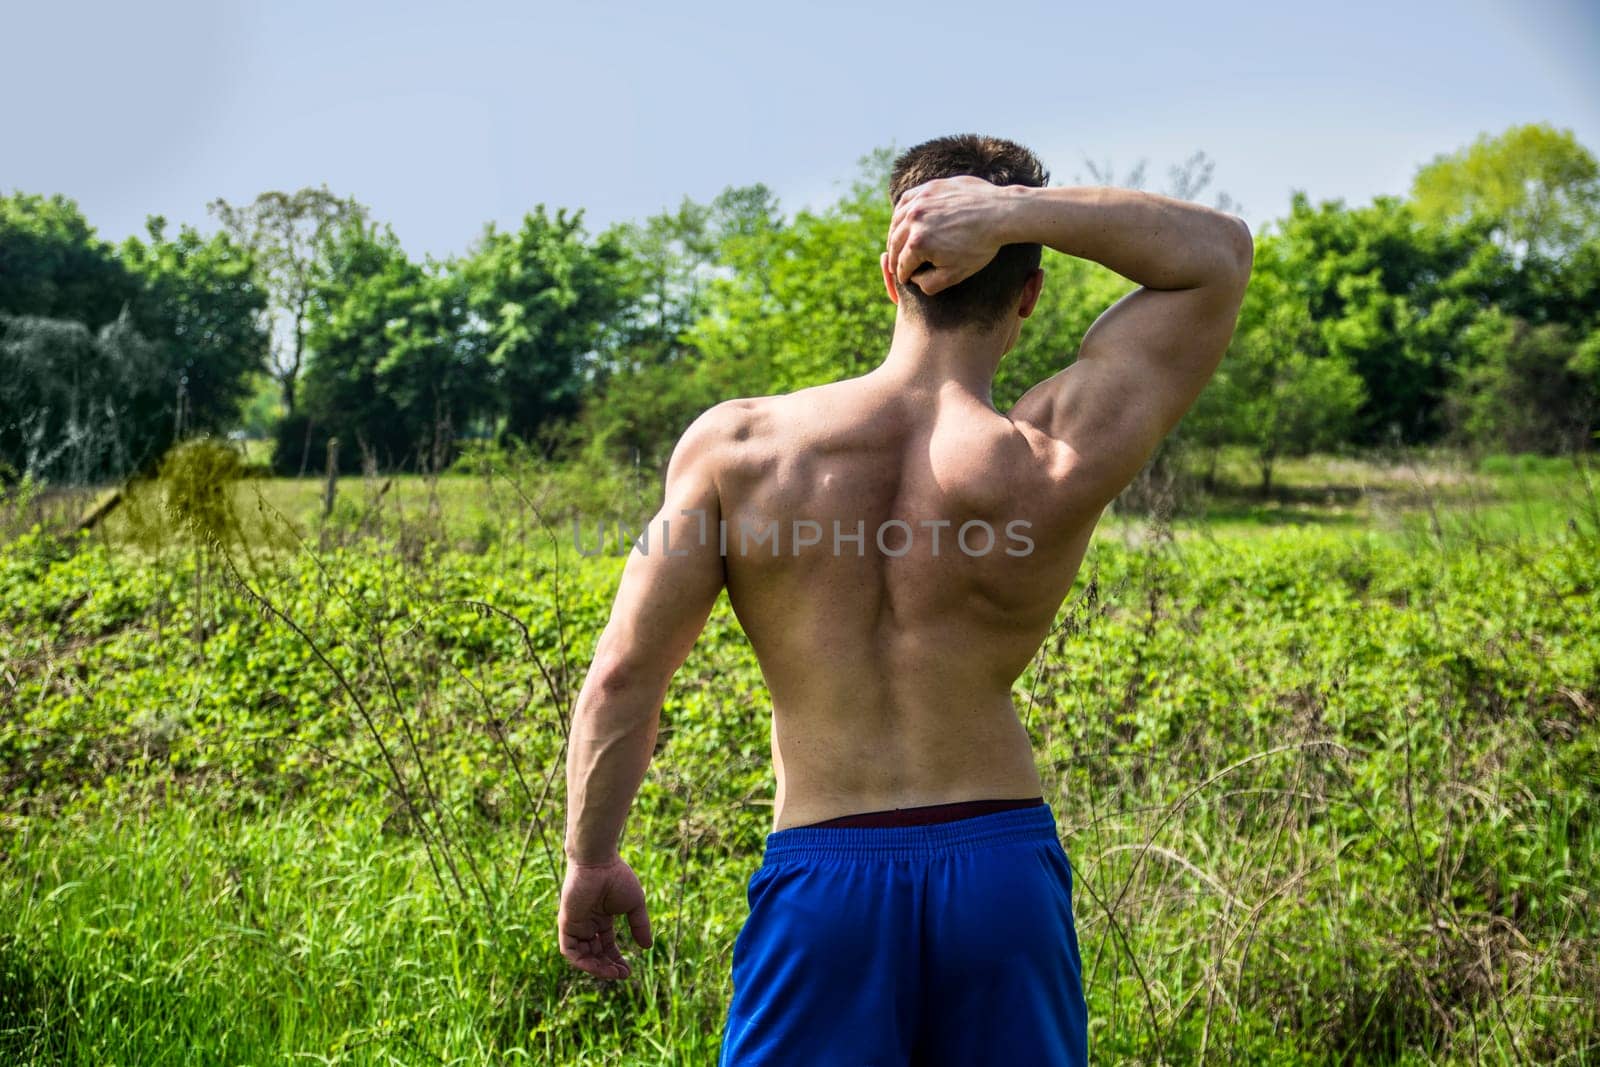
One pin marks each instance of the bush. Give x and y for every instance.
(1533, 388)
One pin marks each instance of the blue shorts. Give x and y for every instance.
(943, 944)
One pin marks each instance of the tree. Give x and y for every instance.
(80, 404)
(1280, 390)
(661, 274)
(800, 301)
(803, 302)
(1534, 190)
(283, 233)
(1074, 294)
(202, 306)
(108, 358)
(546, 298)
(262, 408)
(362, 283)
(656, 379)
(1536, 187)
(53, 266)
(1391, 297)
(398, 365)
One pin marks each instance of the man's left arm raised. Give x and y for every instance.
(668, 587)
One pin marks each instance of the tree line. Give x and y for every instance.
(1466, 312)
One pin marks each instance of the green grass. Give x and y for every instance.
(1327, 776)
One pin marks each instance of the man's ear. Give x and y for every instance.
(888, 278)
(1030, 292)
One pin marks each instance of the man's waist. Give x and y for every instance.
(1033, 823)
(925, 814)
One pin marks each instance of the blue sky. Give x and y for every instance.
(442, 116)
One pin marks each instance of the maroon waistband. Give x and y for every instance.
(924, 816)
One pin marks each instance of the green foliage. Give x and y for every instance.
(1531, 390)
(203, 307)
(545, 294)
(804, 303)
(1390, 297)
(653, 379)
(1361, 325)
(1280, 390)
(661, 277)
(1327, 796)
(607, 347)
(262, 408)
(53, 266)
(105, 359)
(80, 404)
(1536, 187)
(1075, 293)
(398, 368)
(285, 234)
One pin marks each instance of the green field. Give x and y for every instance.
(1326, 763)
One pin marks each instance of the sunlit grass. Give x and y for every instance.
(1327, 775)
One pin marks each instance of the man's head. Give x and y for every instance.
(992, 294)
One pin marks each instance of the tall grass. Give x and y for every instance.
(1328, 792)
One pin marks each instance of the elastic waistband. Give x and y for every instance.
(1036, 823)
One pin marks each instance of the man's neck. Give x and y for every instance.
(935, 359)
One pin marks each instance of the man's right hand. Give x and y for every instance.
(591, 896)
(947, 230)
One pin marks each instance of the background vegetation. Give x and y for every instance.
(1466, 313)
(280, 758)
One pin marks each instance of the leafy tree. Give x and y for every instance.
(108, 358)
(262, 408)
(800, 301)
(1280, 390)
(53, 266)
(362, 284)
(661, 275)
(656, 379)
(397, 366)
(546, 297)
(1392, 297)
(283, 233)
(1536, 187)
(67, 395)
(1536, 191)
(1075, 292)
(804, 302)
(202, 306)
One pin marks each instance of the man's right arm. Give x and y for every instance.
(1145, 360)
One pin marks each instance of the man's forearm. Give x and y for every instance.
(613, 737)
(1155, 241)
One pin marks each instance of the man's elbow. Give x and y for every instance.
(1240, 246)
(617, 676)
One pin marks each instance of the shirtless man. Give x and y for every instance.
(896, 549)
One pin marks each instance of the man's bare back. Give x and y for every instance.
(945, 537)
(890, 661)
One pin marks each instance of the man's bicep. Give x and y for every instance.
(1140, 367)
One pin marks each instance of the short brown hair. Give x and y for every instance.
(989, 295)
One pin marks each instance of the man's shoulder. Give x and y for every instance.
(756, 429)
(732, 421)
(727, 433)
